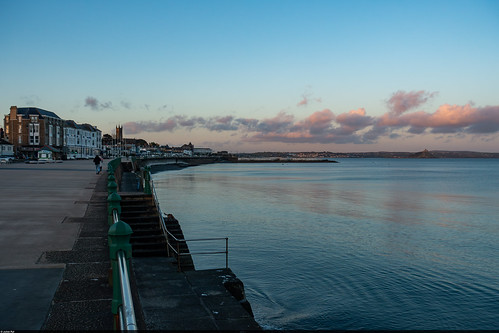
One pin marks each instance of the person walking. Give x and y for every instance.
(97, 162)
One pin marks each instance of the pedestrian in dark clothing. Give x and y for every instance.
(97, 162)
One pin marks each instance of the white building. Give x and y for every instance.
(202, 151)
(6, 148)
(82, 140)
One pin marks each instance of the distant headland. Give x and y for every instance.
(318, 156)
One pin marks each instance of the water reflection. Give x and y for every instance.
(363, 245)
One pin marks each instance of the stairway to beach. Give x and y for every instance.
(139, 211)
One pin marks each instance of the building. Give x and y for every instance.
(28, 129)
(6, 148)
(81, 140)
(48, 153)
(121, 146)
(119, 134)
(202, 151)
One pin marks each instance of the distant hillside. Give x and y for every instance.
(424, 154)
(380, 154)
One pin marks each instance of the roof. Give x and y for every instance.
(48, 147)
(88, 127)
(5, 142)
(71, 123)
(36, 111)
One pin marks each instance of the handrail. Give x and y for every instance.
(126, 309)
(127, 312)
(167, 233)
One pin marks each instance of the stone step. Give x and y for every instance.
(149, 253)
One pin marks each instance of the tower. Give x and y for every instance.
(119, 133)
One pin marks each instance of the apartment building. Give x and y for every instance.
(81, 140)
(30, 128)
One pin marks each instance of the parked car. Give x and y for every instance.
(6, 159)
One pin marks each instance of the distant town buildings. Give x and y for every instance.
(34, 133)
(31, 129)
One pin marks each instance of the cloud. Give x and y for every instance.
(281, 123)
(354, 126)
(446, 119)
(354, 120)
(126, 105)
(306, 99)
(94, 104)
(220, 124)
(318, 122)
(402, 101)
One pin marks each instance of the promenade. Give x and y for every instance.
(54, 261)
(40, 208)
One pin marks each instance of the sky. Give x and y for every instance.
(261, 75)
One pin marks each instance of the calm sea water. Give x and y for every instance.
(362, 244)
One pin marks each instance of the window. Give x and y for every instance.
(20, 129)
(51, 134)
(34, 134)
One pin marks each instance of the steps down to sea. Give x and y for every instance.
(173, 295)
(148, 240)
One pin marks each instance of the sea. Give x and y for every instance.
(363, 244)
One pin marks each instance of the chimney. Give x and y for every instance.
(13, 112)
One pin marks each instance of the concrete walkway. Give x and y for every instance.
(39, 208)
(54, 261)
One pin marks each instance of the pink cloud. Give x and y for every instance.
(280, 123)
(447, 119)
(317, 122)
(354, 120)
(402, 101)
(304, 101)
(354, 126)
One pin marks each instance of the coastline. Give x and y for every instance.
(279, 160)
(155, 168)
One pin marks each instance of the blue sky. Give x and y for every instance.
(262, 75)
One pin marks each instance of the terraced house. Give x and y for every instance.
(29, 129)
(81, 140)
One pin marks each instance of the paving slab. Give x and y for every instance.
(42, 210)
(26, 295)
(35, 199)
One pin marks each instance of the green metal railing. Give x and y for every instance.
(120, 251)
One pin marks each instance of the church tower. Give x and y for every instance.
(119, 133)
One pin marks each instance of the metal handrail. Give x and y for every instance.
(127, 312)
(167, 233)
(126, 309)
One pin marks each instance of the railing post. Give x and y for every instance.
(110, 171)
(110, 177)
(112, 187)
(119, 240)
(178, 257)
(113, 202)
(147, 180)
(226, 252)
